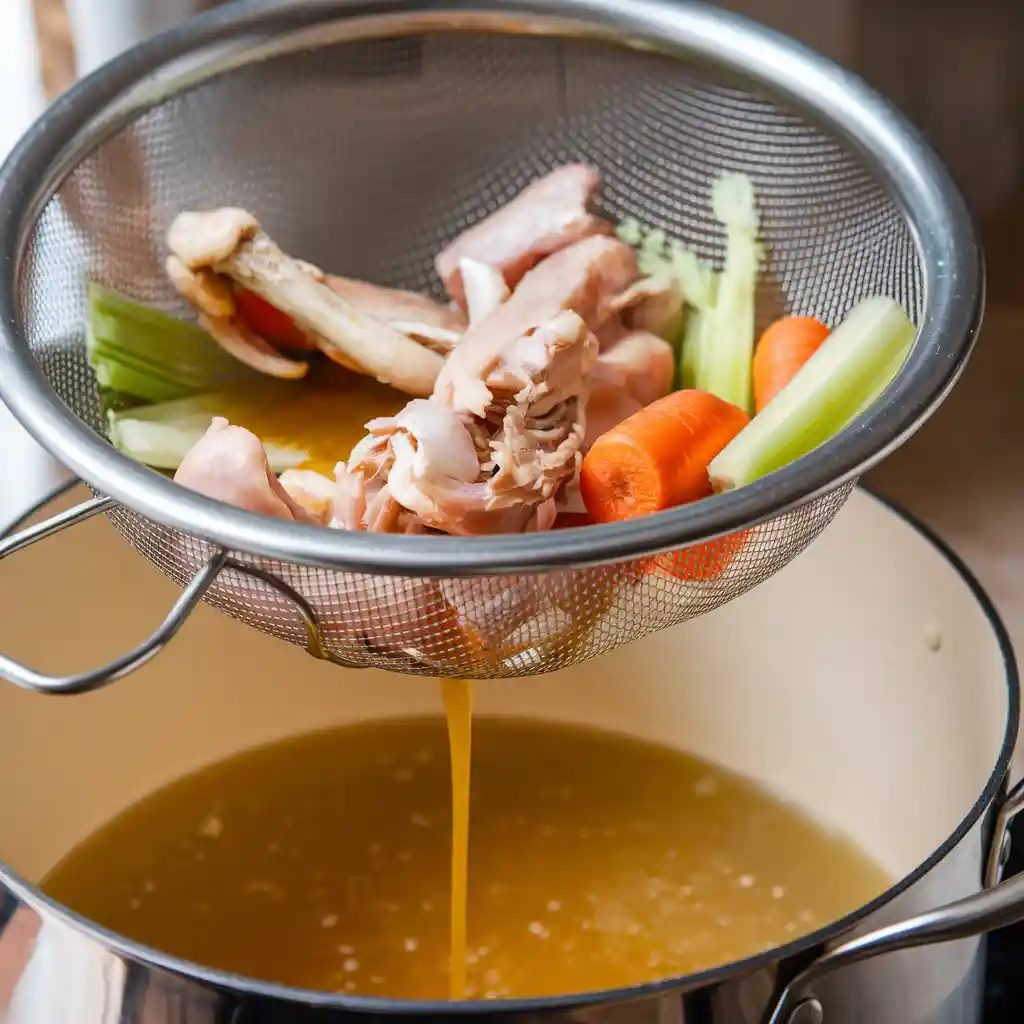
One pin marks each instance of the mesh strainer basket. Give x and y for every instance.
(364, 135)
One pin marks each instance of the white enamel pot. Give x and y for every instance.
(871, 682)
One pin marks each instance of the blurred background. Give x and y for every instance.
(954, 68)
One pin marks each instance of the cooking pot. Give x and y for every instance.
(871, 682)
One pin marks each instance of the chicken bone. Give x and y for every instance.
(229, 242)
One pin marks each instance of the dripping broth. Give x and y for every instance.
(595, 860)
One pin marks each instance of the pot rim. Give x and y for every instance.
(241, 985)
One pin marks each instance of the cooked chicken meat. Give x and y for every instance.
(652, 304)
(545, 217)
(484, 286)
(230, 243)
(312, 491)
(635, 371)
(425, 320)
(214, 300)
(584, 278)
(230, 464)
(640, 363)
(496, 472)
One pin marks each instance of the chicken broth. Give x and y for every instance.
(595, 860)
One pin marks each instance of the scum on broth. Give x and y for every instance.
(595, 861)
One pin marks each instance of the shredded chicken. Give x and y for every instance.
(214, 300)
(584, 278)
(313, 491)
(635, 371)
(545, 217)
(484, 286)
(419, 317)
(229, 242)
(230, 464)
(499, 472)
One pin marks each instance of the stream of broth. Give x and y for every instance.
(327, 861)
(457, 695)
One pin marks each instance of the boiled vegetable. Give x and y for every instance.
(658, 457)
(311, 425)
(783, 349)
(143, 353)
(724, 358)
(718, 335)
(849, 370)
(269, 322)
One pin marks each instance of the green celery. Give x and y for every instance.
(717, 343)
(885, 378)
(724, 360)
(160, 435)
(142, 352)
(829, 390)
(700, 290)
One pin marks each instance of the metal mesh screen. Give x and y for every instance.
(364, 157)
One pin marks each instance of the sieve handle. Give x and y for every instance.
(996, 907)
(82, 682)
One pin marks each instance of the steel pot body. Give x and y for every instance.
(870, 682)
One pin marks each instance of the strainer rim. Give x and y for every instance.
(895, 150)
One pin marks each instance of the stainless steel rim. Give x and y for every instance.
(207, 45)
(994, 787)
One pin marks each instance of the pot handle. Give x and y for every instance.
(83, 682)
(998, 905)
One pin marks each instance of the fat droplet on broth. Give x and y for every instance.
(211, 827)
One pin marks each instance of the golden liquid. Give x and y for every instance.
(324, 415)
(458, 708)
(325, 861)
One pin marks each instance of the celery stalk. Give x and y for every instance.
(829, 390)
(717, 344)
(697, 279)
(886, 377)
(142, 352)
(699, 283)
(724, 366)
(698, 338)
(161, 435)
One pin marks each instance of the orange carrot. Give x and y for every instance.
(269, 322)
(658, 457)
(705, 561)
(784, 347)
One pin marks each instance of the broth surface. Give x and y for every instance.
(595, 861)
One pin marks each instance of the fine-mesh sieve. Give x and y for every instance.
(364, 135)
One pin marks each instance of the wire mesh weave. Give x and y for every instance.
(364, 157)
